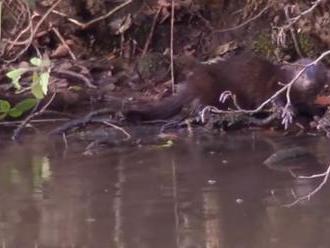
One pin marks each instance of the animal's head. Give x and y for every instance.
(315, 76)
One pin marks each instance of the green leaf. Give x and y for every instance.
(26, 104)
(36, 88)
(36, 61)
(44, 82)
(15, 76)
(37, 91)
(4, 106)
(14, 112)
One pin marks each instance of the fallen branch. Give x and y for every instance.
(30, 117)
(98, 19)
(82, 121)
(74, 75)
(151, 33)
(29, 40)
(293, 20)
(59, 36)
(243, 23)
(317, 189)
(171, 46)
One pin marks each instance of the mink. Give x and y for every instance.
(252, 79)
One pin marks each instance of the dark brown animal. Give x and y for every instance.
(252, 79)
(309, 84)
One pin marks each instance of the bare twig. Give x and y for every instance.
(65, 141)
(91, 22)
(82, 121)
(0, 21)
(31, 116)
(151, 33)
(59, 36)
(243, 23)
(49, 120)
(172, 44)
(293, 20)
(34, 31)
(293, 33)
(128, 136)
(27, 28)
(75, 75)
(313, 192)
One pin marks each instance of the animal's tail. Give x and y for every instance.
(162, 110)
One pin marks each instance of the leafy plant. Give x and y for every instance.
(16, 111)
(40, 69)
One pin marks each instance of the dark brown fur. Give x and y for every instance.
(252, 79)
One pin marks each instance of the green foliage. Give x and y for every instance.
(15, 76)
(40, 69)
(263, 45)
(4, 106)
(39, 87)
(16, 111)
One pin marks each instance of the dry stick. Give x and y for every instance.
(81, 121)
(0, 20)
(128, 136)
(12, 123)
(59, 36)
(34, 31)
(172, 44)
(98, 141)
(243, 23)
(27, 119)
(292, 21)
(28, 27)
(75, 75)
(286, 88)
(39, 34)
(154, 22)
(295, 19)
(313, 192)
(91, 22)
(65, 141)
(106, 15)
(293, 33)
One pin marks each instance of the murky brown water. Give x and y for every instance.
(206, 193)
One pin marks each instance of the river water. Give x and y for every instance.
(200, 192)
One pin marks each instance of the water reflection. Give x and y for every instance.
(209, 192)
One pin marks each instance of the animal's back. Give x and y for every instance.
(250, 78)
